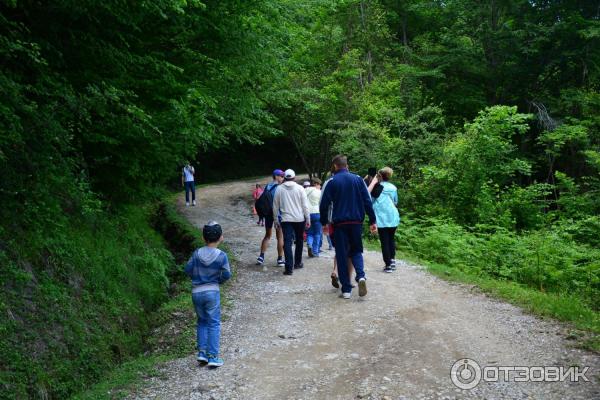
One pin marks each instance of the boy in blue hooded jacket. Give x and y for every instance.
(208, 268)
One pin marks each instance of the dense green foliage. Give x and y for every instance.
(100, 104)
(488, 111)
(114, 95)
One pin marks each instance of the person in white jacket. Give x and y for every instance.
(292, 204)
(313, 238)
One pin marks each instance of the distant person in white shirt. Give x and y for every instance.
(313, 238)
(187, 181)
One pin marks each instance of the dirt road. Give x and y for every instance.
(292, 337)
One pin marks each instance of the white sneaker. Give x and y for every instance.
(187, 204)
(362, 287)
(194, 202)
(346, 296)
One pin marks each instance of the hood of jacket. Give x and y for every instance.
(289, 185)
(207, 255)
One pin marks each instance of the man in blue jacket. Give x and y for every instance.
(347, 195)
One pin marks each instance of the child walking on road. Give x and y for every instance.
(208, 268)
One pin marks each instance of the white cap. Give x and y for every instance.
(290, 174)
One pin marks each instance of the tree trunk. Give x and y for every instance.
(404, 36)
(368, 57)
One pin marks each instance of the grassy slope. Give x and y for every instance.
(174, 324)
(78, 295)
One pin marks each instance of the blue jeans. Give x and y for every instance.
(208, 329)
(292, 230)
(190, 186)
(348, 243)
(313, 238)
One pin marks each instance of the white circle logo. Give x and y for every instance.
(465, 373)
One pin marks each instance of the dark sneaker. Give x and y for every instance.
(335, 282)
(280, 262)
(260, 260)
(388, 269)
(215, 362)
(299, 266)
(286, 272)
(362, 287)
(310, 252)
(201, 357)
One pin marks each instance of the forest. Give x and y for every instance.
(488, 112)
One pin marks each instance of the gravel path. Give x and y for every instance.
(293, 338)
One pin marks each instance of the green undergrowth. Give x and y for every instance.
(173, 333)
(76, 300)
(546, 273)
(100, 297)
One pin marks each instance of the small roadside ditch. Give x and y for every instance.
(173, 325)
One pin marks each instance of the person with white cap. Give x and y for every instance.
(292, 204)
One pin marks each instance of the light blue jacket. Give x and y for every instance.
(385, 207)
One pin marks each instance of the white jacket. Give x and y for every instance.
(290, 200)
(314, 198)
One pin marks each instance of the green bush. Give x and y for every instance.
(549, 260)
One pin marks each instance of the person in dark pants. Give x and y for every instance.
(187, 180)
(349, 198)
(293, 259)
(292, 204)
(387, 215)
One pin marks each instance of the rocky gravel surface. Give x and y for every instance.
(292, 337)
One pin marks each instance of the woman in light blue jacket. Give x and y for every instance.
(387, 215)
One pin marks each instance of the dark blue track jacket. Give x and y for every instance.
(350, 199)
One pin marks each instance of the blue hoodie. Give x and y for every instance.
(348, 195)
(208, 267)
